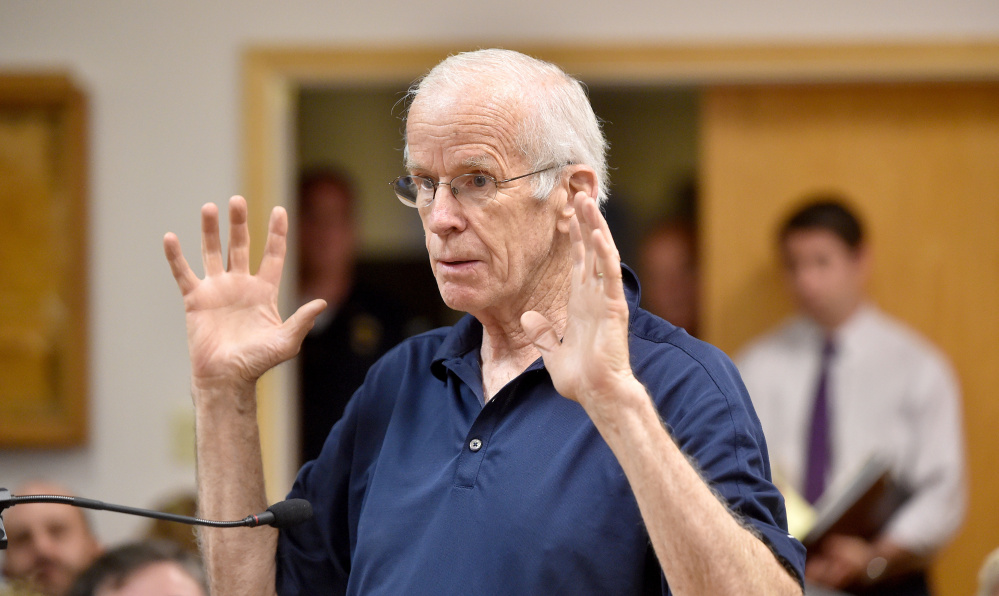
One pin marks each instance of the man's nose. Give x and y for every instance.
(43, 546)
(446, 212)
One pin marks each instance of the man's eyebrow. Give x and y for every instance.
(479, 161)
(483, 162)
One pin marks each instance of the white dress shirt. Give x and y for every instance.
(891, 394)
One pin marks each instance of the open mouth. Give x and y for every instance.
(456, 264)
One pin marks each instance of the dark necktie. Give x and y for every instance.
(819, 441)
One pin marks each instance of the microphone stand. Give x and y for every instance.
(280, 515)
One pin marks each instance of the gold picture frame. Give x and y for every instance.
(43, 262)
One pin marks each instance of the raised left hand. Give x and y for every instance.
(591, 362)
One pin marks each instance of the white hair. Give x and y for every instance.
(557, 125)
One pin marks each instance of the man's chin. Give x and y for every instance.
(456, 304)
(458, 296)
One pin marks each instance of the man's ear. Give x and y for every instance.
(580, 179)
(583, 179)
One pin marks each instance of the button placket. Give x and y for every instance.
(473, 450)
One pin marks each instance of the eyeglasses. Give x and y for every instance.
(419, 191)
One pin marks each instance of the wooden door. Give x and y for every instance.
(921, 161)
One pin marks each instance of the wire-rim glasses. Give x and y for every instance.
(420, 191)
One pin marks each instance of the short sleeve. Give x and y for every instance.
(707, 410)
(317, 552)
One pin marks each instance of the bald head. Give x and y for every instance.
(48, 543)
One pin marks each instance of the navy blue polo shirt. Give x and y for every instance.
(422, 489)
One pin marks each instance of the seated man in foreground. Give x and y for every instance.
(49, 543)
(460, 466)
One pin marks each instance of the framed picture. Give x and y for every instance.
(43, 262)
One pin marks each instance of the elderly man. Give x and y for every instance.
(48, 543)
(524, 450)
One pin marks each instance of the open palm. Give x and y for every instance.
(234, 330)
(591, 360)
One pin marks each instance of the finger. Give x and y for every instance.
(818, 572)
(578, 251)
(813, 570)
(596, 220)
(586, 232)
(299, 324)
(606, 256)
(609, 263)
(838, 574)
(541, 333)
(211, 246)
(186, 279)
(239, 236)
(272, 263)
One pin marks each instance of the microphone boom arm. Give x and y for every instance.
(281, 515)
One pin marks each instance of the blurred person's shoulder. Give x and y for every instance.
(789, 337)
(884, 331)
(887, 341)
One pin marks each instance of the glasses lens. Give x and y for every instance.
(474, 187)
(407, 189)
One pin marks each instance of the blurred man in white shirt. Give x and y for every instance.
(885, 392)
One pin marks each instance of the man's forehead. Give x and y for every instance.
(476, 127)
(44, 513)
(465, 146)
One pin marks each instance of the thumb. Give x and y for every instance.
(540, 331)
(299, 324)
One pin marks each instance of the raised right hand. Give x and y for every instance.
(234, 330)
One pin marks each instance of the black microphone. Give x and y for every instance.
(283, 514)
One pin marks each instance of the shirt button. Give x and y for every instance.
(475, 445)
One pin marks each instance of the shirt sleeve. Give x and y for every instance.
(935, 473)
(708, 412)
(317, 552)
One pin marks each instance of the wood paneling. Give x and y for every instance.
(43, 262)
(921, 162)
